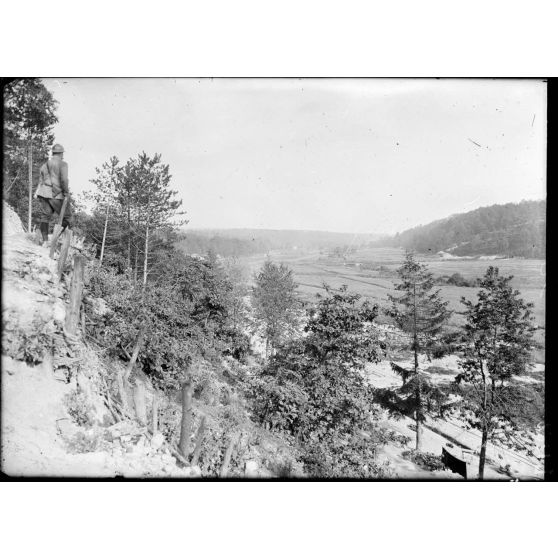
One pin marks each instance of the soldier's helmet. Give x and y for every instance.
(57, 148)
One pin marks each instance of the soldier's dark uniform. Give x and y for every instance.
(55, 172)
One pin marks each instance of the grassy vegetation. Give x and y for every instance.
(367, 272)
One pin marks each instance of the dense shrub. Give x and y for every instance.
(428, 461)
(186, 317)
(313, 388)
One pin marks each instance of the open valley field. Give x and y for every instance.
(371, 272)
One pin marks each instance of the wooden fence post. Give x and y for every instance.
(137, 347)
(186, 424)
(122, 390)
(139, 401)
(58, 228)
(228, 455)
(66, 241)
(76, 291)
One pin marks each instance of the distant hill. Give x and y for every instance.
(241, 242)
(512, 229)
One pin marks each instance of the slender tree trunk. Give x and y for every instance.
(482, 457)
(30, 163)
(145, 256)
(129, 255)
(417, 373)
(186, 424)
(485, 426)
(418, 424)
(104, 237)
(136, 266)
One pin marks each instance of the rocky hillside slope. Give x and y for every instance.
(59, 416)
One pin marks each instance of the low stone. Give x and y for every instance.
(251, 469)
(65, 427)
(187, 472)
(195, 471)
(157, 441)
(168, 459)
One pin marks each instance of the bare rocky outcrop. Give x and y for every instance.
(11, 223)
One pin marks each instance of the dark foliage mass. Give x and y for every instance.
(29, 118)
(314, 389)
(512, 229)
(187, 313)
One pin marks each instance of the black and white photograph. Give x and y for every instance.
(274, 278)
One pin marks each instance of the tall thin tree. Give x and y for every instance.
(499, 343)
(421, 314)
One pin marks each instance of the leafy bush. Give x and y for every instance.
(185, 314)
(78, 407)
(29, 345)
(313, 388)
(88, 441)
(350, 456)
(428, 461)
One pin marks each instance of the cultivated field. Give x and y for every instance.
(371, 272)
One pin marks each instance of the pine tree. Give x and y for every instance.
(498, 336)
(421, 314)
(135, 212)
(107, 182)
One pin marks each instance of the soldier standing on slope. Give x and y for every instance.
(54, 173)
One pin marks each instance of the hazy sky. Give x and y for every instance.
(340, 155)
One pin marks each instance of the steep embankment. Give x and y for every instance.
(60, 411)
(55, 420)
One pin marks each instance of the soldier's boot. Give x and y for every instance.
(44, 232)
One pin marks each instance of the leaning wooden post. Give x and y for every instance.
(66, 241)
(199, 440)
(122, 390)
(76, 291)
(186, 424)
(135, 353)
(58, 228)
(228, 455)
(30, 178)
(139, 401)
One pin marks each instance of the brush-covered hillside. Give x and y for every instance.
(512, 229)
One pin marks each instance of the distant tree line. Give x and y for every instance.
(512, 229)
(456, 280)
(195, 243)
